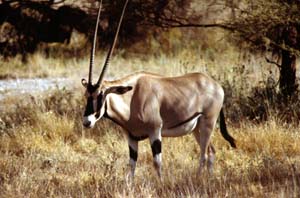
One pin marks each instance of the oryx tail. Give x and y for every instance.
(224, 131)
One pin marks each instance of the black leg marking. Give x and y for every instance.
(156, 147)
(133, 154)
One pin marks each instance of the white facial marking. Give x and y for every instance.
(89, 121)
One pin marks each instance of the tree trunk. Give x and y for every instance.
(287, 82)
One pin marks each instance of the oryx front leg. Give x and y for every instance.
(133, 154)
(155, 141)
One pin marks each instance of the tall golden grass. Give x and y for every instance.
(48, 155)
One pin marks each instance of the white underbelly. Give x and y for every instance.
(181, 130)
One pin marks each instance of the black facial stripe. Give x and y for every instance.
(132, 153)
(156, 147)
(89, 107)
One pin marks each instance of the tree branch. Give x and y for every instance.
(272, 62)
(210, 25)
(184, 23)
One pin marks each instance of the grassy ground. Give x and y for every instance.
(45, 152)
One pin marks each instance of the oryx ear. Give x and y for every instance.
(118, 89)
(84, 83)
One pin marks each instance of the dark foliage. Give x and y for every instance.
(262, 104)
(28, 23)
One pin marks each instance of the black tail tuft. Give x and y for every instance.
(224, 131)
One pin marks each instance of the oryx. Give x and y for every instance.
(151, 106)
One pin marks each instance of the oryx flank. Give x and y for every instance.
(151, 106)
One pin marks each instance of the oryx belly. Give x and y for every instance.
(183, 128)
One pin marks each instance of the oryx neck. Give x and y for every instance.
(112, 112)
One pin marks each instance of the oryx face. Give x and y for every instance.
(96, 98)
(94, 107)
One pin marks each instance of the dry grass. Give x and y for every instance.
(45, 153)
(38, 65)
(209, 52)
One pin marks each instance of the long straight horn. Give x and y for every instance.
(111, 48)
(92, 58)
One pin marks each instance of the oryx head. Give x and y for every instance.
(96, 93)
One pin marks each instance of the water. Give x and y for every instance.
(31, 86)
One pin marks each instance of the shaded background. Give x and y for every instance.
(227, 32)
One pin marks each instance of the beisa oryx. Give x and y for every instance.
(151, 106)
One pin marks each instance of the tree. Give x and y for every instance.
(273, 26)
(264, 25)
(27, 23)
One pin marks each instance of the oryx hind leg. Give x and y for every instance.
(211, 157)
(202, 134)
